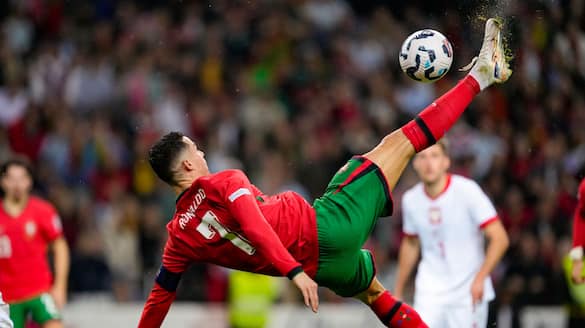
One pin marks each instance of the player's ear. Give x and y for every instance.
(187, 165)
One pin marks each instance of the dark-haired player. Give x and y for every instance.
(223, 219)
(28, 225)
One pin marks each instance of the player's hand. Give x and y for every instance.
(577, 272)
(477, 290)
(309, 289)
(59, 295)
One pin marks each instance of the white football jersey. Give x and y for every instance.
(449, 228)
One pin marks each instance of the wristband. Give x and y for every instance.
(576, 253)
(292, 273)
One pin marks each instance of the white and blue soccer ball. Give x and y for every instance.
(426, 55)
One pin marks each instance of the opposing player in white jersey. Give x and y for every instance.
(5, 321)
(445, 218)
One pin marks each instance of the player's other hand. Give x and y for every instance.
(577, 272)
(477, 290)
(59, 295)
(309, 290)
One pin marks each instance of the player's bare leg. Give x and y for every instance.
(396, 149)
(390, 311)
(392, 155)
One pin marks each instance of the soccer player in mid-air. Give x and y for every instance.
(223, 219)
(28, 225)
(443, 220)
(576, 254)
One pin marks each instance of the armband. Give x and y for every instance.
(167, 279)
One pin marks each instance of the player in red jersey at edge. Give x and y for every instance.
(576, 253)
(28, 225)
(223, 219)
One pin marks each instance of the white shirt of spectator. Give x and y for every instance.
(12, 106)
(449, 228)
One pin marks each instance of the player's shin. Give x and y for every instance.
(394, 313)
(435, 120)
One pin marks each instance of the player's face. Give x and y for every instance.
(16, 183)
(431, 164)
(195, 156)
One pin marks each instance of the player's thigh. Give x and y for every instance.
(432, 313)
(392, 155)
(45, 312)
(355, 198)
(346, 274)
(468, 316)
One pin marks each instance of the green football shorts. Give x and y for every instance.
(355, 198)
(41, 309)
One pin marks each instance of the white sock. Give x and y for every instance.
(481, 80)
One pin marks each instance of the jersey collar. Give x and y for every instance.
(181, 196)
(442, 191)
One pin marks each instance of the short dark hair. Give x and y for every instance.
(444, 143)
(16, 161)
(163, 155)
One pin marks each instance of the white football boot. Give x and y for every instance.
(491, 66)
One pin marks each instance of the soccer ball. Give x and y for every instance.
(426, 56)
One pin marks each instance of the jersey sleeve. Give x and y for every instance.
(50, 223)
(579, 219)
(408, 225)
(241, 202)
(256, 191)
(481, 209)
(163, 292)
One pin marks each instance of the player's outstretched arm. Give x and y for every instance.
(162, 294)
(242, 205)
(61, 259)
(156, 308)
(407, 259)
(497, 245)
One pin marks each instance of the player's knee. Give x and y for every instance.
(374, 291)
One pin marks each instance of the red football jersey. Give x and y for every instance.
(24, 266)
(579, 218)
(223, 219)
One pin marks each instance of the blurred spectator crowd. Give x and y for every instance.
(286, 90)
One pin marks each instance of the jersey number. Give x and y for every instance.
(209, 220)
(5, 247)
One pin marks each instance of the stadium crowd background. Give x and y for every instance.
(286, 90)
